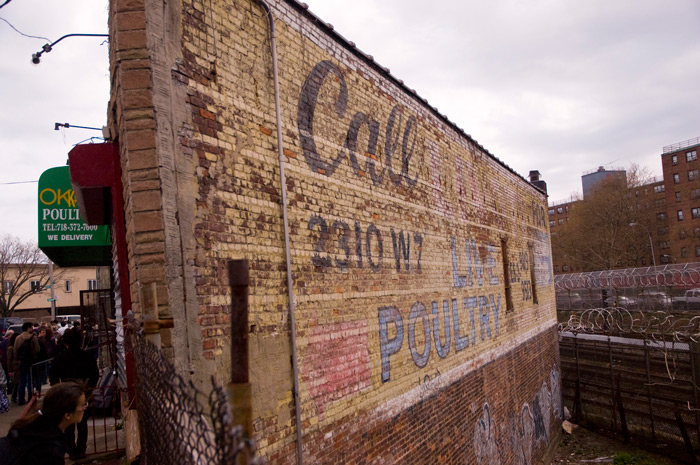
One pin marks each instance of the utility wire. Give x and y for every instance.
(17, 182)
(17, 30)
(6, 2)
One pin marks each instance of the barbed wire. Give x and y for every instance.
(657, 326)
(674, 275)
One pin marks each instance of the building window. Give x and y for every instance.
(695, 194)
(679, 214)
(664, 245)
(552, 223)
(636, 193)
(658, 203)
(69, 286)
(561, 220)
(660, 188)
(674, 160)
(696, 231)
(7, 286)
(662, 231)
(697, 250)
(676, 178)
(682, 234)
(695, 212)
(678, 197)
(560, 210)
(665, 258)
(692, 175)
(691, 156)
(35, 286)
(661, 216)
(92, 284)
(684, 252)
(551, 211)
(566, 267)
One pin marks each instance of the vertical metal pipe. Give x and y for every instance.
(52, 283)
(290, 281)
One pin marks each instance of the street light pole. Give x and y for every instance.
(651, 243)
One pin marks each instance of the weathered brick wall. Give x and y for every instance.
(408, 349)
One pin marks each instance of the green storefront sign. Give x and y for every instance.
(63, 236)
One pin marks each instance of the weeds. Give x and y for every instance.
(625, 458)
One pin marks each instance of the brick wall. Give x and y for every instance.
(412, 346)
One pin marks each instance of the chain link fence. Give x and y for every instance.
(179, 424)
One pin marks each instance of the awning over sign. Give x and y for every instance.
(63, 235)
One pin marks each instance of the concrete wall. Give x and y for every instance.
(399, 222)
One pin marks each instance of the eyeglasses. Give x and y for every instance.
(83, 406)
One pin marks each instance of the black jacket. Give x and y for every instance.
(74, 365)
(36, 444)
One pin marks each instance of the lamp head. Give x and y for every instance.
(36, 58)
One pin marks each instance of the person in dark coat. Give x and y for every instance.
(25, 363)
(4, 349)
(38, 439)
(75, 364)
(13, 366)
(5, 358)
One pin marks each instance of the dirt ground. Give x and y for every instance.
(584, 446)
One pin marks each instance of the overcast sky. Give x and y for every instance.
(70, 85)
(554, 85)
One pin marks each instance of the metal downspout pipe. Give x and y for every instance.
(283, 180)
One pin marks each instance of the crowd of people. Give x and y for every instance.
(43, 353)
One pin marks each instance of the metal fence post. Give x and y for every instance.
(577, 395)
(612, 384)
(651, 405)
(695, 365)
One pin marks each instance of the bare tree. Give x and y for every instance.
(598, 235)
(20, 263)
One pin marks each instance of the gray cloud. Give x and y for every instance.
(558, 86)
(562, 87)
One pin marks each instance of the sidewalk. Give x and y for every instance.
(6, 419)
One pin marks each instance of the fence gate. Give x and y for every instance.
(97, 320)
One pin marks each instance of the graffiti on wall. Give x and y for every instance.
(485, 446)
(523, 431)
